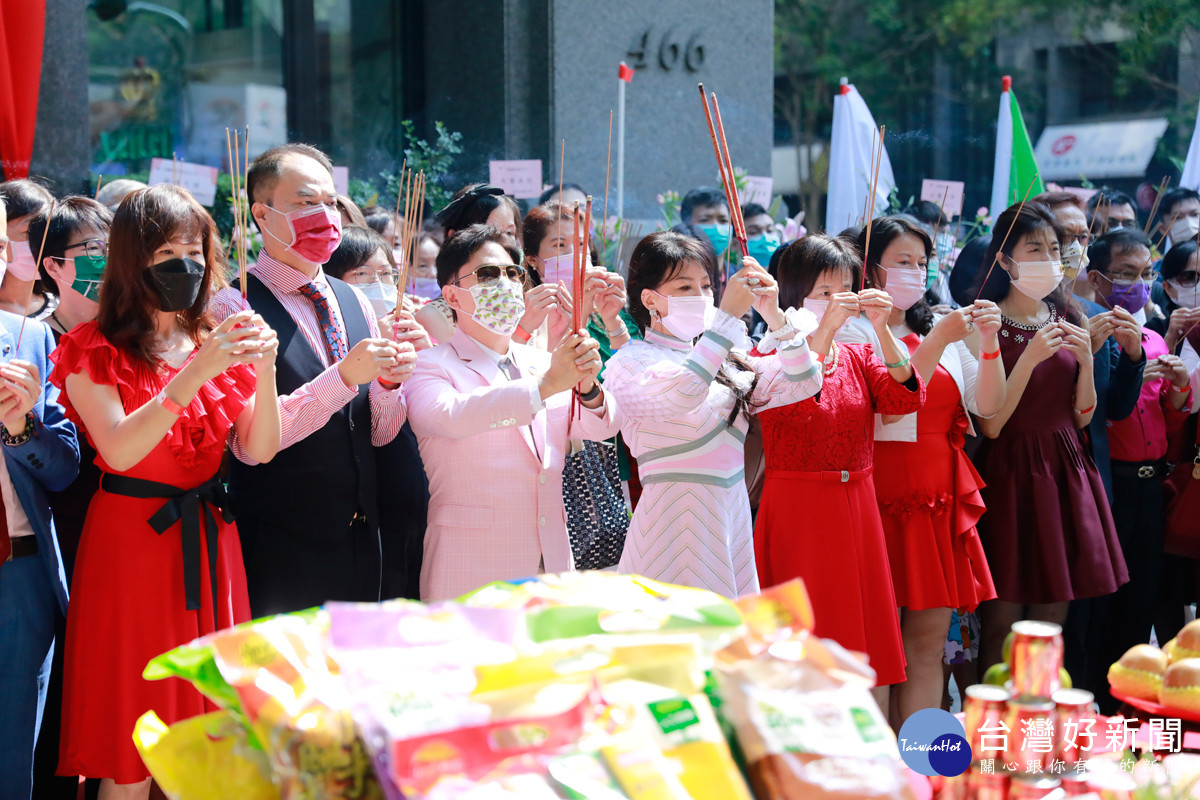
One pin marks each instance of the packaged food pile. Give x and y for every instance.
(581, 685)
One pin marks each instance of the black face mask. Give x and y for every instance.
(176, 282)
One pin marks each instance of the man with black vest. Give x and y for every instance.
(309, 520)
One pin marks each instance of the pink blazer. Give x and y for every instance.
(495, 508)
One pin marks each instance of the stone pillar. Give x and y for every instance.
(60, 147)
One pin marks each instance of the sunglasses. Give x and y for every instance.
(490, 273)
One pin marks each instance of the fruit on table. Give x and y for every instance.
(1181, 686)
(1139, 673)
(997, 675)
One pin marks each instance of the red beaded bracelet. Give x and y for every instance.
(989, 356)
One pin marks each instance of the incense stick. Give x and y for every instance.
(1162, 189)
(607, 175)
(562, 160)
(735, 208)
(99, 180)
(41, 253)
(1004, 241)
(871, 218)
(1167, 231)
(577, 253)
(243, 180)
(869, 200)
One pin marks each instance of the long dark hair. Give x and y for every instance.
(657, 259)
(805, 260)
(884, 231)
(145, 221)
(1017, 222)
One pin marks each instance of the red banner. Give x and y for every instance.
(22, 31)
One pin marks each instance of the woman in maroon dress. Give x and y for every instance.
(928, 491)
(156, 390)
(1048, 533)
(818, 518)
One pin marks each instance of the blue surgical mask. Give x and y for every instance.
(718, 235)
(761, 248)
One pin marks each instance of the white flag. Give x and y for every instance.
(854, 141)
(1191, 167)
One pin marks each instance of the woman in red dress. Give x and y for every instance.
(156, 390)
(928, 491)
(1048, 533)
(818, 518)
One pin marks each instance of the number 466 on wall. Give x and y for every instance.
(670, 51)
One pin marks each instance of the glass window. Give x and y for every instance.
(165, 78)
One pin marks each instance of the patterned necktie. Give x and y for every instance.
(333, 340)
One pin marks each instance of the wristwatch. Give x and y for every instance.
(22, 437)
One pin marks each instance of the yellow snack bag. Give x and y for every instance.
(203, 758)
(685, 730)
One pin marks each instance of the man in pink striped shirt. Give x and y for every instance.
(309, 520)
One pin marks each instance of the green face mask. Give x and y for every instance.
(89, 272)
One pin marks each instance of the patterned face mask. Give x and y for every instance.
(499, 305)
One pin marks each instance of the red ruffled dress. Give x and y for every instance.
(128, 599)
(930, 501)
(818, 518)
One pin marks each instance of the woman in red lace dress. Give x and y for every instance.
(818, 518)
(928, 492)
(156, 390)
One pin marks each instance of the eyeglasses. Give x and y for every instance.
(369, 275)
(1084, 238)
(1186, 279)
(95, 248)
(490, 273)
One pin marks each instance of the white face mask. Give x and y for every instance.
(424, 287)
(906, 287)
(1186, 296)
(687, 317)
(1038, 278)
(381, 295)
(1075, 258)
(817, 307)
(1184, 228)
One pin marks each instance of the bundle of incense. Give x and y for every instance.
(1162, 189)
(410, 236)
(239, 167)
(724, 167)
(869, 216)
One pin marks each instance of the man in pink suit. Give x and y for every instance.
(491, 419)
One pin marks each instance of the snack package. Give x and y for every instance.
(807, 724)
(555, 721)
(574, 604)
(194, 662)
(203, 758)
(686, 732)
(410, 668)
(298, 708)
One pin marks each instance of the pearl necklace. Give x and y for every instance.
(833, 361)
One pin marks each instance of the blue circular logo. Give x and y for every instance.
(933, 742)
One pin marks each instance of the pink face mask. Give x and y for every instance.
(561, 268)
(316, 232)
(24, 264)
